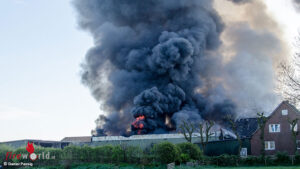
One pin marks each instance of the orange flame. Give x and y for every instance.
(137, 124)
(30, 148)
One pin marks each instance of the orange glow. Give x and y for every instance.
(137, 124)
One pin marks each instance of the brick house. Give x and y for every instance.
(278, 132)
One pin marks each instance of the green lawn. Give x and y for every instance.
(100, 166)
(106, 166)
(211, 167)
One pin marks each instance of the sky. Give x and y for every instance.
(41, 96)
(41, 48)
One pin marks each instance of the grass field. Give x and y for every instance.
(211, 167)
(101, 166)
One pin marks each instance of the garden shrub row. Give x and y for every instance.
(161, 153)
(280, 158)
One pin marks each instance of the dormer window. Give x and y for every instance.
(274, 128)
(284, 112)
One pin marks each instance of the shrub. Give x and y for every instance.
(147, 159)
(86, 154)
(49, 153)
(226, 160)
(282, 158)
(3, 150)
(117, 154)
(251, 161)
(22, 151)
(103, 153)
(191, 149)
(43, 153)
(297, 159)
(184, 158)
(72, 153)
(206, 160)
(133, 154)
(166, 152)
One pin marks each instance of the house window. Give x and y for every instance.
(295, 128)
(269, 145)
(274, 128)
(284, 112)
(298, 144)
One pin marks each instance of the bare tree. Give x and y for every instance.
(187, 129)
(289, 77)
(205, 128)
(231, 121)
(262, 120)
(294, 131)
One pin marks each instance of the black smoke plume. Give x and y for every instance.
(149, 60)
(240, 1)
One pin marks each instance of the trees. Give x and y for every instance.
(290, 83)
(289, 77)
(294, 131)
(166, 152)
(204, 128)
(192, 150)
(262, 119)
(231, 120)
(187, 128)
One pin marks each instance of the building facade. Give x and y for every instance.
(145, 141)
(43, 143)
(278, 132)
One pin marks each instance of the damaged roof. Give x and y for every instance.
(246, 127)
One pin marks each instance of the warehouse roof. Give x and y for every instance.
(77, 139)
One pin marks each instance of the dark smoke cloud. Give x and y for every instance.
(155, 59)
(296, 4)
(155, 105)
(240, 1)
(253, 48)
(112, 123)
(252, 84)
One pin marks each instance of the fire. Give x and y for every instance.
(137, 123)
(30, 148)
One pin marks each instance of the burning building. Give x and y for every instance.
(155, 63)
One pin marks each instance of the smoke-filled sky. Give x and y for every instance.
(42, 47)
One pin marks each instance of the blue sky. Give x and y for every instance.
(41, 49)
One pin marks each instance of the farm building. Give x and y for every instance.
(42, 143)
(278, 136)
(278, 132)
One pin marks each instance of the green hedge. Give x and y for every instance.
(189, 151)
(161, 153)
(3, 150)
(166, 152)
(234, 160)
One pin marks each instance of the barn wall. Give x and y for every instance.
(230, 147)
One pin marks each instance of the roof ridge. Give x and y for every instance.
(292, 106)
